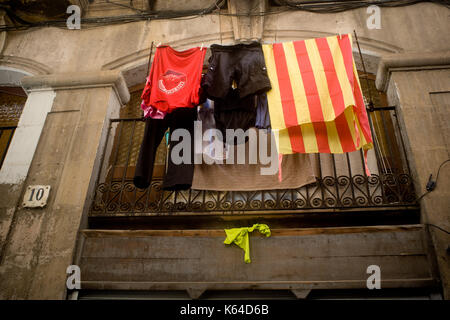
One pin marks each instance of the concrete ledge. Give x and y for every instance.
(93, 233)
(78, 81)
(409, 61)
(255, 285)
(299, 259)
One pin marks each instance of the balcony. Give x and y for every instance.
(341, 186)
(177, 235)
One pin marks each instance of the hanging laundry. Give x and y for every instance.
(262, 112)
(236, 75)
(243, 64)
(297, 171)
(316, 103)
(174, 80)
(240, 237)
(205, 114)
(150, 112)
(178, 176)
(235, 113)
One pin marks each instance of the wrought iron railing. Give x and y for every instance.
(342, 183)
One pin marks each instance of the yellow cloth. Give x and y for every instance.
(240, 237)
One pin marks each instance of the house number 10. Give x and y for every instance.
(36, 196)
(39, 194)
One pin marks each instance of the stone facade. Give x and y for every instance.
(76, 80)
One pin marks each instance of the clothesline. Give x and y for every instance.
(208, 47)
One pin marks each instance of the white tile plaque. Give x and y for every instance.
(36, 196)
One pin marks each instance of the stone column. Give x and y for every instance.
(40, 243)
(418, 84)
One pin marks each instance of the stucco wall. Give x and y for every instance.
(422, 98)
(40, 242)
(402, 30)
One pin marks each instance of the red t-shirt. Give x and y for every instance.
(174, 79)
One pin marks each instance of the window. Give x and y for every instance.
(388, 142)
(12, 101)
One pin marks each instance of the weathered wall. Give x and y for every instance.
(38, 245)
(295, 259)
(403, 29)
(41, 242)
(423, 98)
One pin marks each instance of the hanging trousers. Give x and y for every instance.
(177, 177)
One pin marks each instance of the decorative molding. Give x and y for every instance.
(134, 65)
(79, 80)
(130, 60)
(25, 64)
(410, 62)
(379, 47)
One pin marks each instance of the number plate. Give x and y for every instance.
(36, 196)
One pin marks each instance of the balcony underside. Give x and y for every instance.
(275, 219)
(297, 259)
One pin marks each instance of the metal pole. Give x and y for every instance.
(150, 59)
(371, 106)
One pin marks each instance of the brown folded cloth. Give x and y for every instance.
(297, 171)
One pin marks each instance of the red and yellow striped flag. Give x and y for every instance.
(316, 103)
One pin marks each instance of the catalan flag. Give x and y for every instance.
(316, 103)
